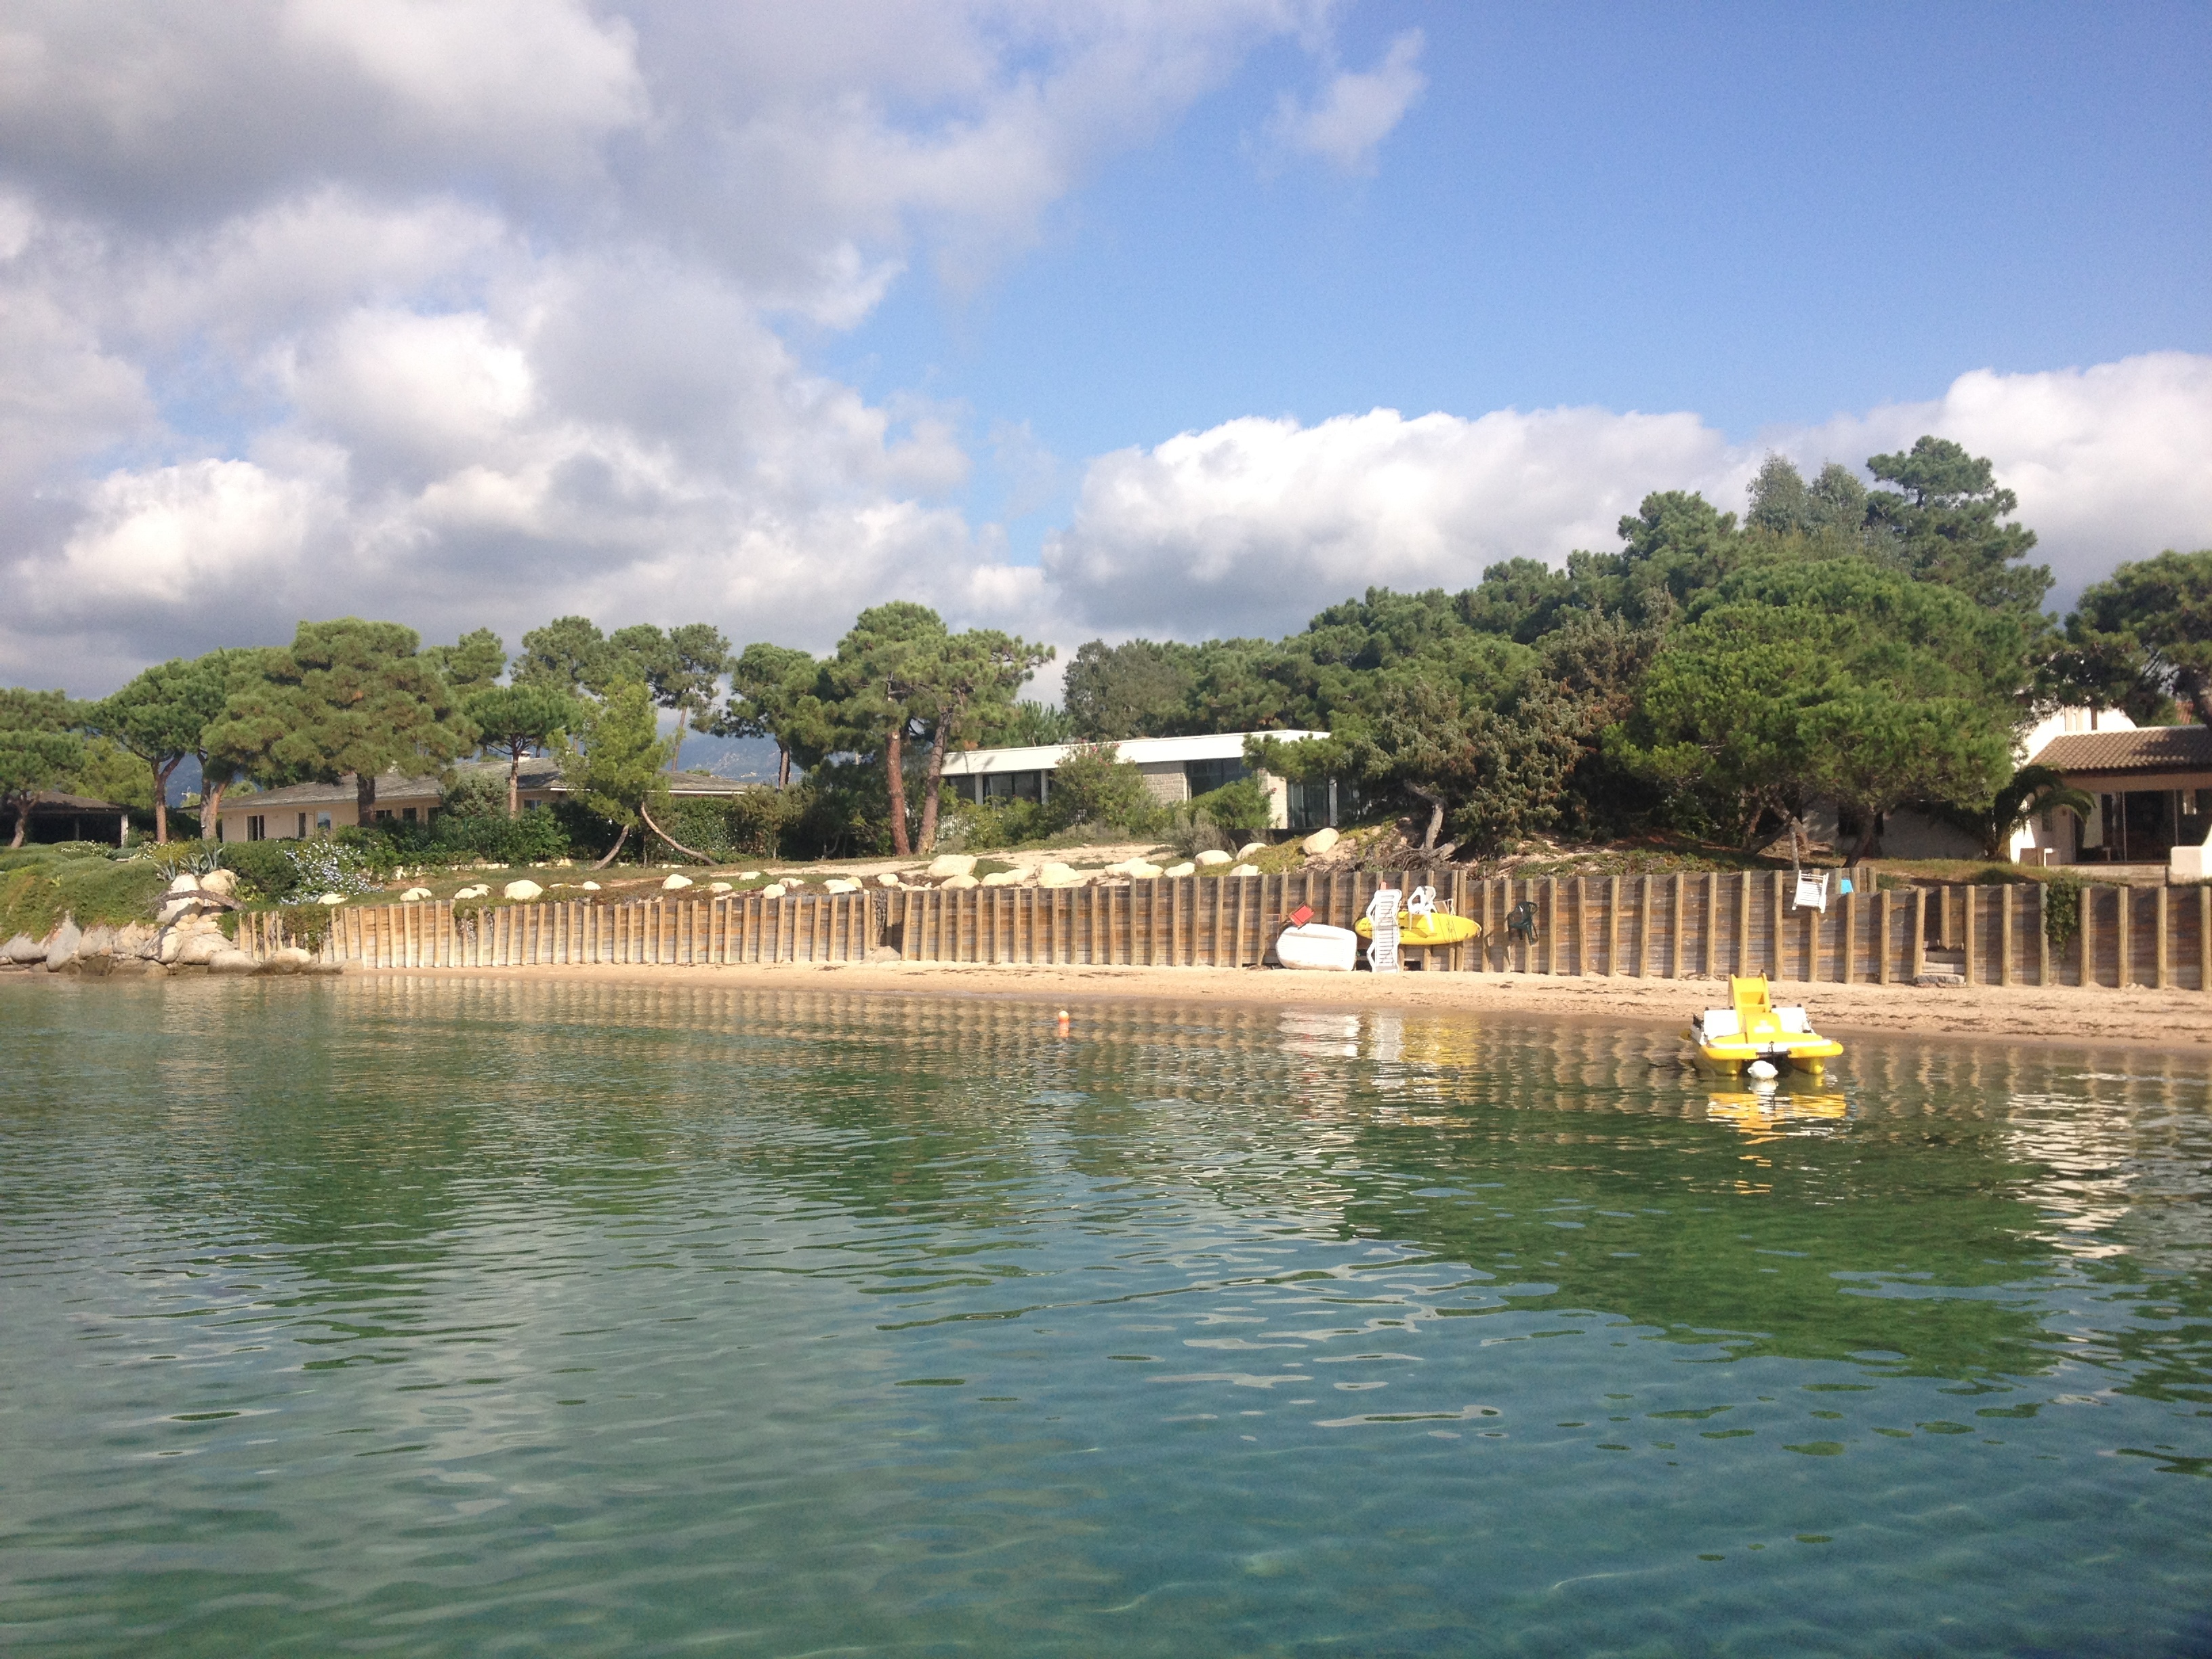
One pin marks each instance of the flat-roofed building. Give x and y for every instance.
(300, 811)
(1175, 770)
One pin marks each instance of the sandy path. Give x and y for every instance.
(2179, 1020)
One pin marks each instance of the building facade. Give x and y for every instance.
(1176, 769)
(301, 811)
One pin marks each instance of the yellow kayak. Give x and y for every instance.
(1437, 928)
(1756, 1030)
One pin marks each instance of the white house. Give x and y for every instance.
(1175, 768)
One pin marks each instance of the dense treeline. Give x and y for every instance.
(1712, 675)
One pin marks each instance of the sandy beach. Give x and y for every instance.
(2173, 1020)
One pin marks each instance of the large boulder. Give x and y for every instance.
(415, 895)
(330, 898)
(1212, 856)
(196, 950)
(231, 960)
(1251, 847)
(176, 909)
(946, 865)
(62, 945)
(1176, 872)
(718, 886)
(1319, 842)
(22, 951)
(523, 891)
(222, 883)
(841, 885)
(960, 883)
(1003, 878)
(888, 878)
(1242, 870)
(1053, 873)
(675, 884)
(774, 890)
(288, 959)
(1141, 870)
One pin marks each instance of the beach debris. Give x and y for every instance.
(1212, 856)
(675, 882)
(946, 865)
(1320, 842)
(525, 891)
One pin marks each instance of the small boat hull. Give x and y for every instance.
(1318, 947)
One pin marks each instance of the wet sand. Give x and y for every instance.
(2173, 1020)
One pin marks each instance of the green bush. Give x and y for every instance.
(2062, 908)
(750, 825)
(1241, 808)
(536, 837)
(36, 893)
(1093, 785)
(265, 867)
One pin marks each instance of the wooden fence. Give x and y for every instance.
(1679, 926)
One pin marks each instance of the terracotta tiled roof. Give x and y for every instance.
(2149, 749)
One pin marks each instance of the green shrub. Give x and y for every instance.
(1241, 808)
(535, 837)
(265, 867)
(36, 893)
(1093, 785)
(2062, 908)
(747, 825)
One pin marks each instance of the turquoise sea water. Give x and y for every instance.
(393, 1317)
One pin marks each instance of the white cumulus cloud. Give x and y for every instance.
(1253, 525)
(1356, 111)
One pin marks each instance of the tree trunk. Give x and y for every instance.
(23, 821)
(1865, 841)
(671, 840)
(894, 782)
(364, 799)
(161, 775)
(514, 782)
(211, 806)
(614, 849)
(1435, 816)
(782, 767)
(934, 780)
(677, 753)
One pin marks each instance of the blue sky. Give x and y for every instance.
(1765, 214)
(1074, 318)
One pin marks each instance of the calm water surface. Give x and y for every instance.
(500, 1318)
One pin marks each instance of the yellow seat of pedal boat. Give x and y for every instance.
(1754, 1029)
(1437, 928)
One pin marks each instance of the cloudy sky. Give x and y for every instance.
(1092, 317)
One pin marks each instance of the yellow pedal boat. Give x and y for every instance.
(1756, 1030)
(1436, 928)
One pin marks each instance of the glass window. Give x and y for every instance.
(407, 813)
(1204, 776)
(257, 829)
(322, 820)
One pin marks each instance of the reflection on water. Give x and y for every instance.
(449, 1316)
